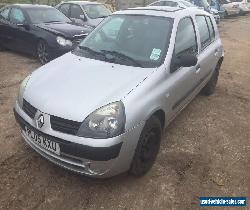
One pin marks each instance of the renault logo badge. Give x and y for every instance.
(40, 121)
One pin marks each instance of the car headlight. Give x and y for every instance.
(21, 90)
(63, 42)
(106, 122)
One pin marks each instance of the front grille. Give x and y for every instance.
(64, 126)
(29, 109)
(71, 149)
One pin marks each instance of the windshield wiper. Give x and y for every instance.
(52, 21)
(121, 56)
(104, 16)
(93, 52)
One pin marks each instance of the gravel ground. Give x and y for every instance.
(205, 150)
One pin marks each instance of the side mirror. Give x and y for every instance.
(186, 60)
(83, 17)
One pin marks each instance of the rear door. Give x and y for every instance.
(183, 80)
(208, 50)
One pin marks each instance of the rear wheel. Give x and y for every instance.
(43, 52)
(147, 148)
(209, 89)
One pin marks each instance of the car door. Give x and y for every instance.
(208, 51)
(76, 14)
(5, 38)
(20, 31)
(183, 80)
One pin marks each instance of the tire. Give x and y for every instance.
(209, 89)
(43, 52)
(147, 147)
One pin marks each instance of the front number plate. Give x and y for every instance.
(42, 141)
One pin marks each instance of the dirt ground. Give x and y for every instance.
(205, 151)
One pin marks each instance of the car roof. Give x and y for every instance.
(25, 6)
(164, 11)
(81, 2)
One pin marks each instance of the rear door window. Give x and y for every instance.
(211, 28)
(203, 31)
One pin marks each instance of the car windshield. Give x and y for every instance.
(46, 15)
(134, 40)
(95, 11)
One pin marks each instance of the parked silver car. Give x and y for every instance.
(101, 109)
(84, 12)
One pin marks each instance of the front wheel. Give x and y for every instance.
(147, 147)
(43, 52)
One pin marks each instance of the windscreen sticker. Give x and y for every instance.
(155, 55)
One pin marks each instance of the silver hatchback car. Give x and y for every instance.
(101, 109)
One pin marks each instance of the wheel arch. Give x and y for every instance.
(160, 114)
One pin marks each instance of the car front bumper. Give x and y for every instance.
(100, 158)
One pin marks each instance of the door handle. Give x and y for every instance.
(197, 68)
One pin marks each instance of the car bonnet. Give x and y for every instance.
(72, 87)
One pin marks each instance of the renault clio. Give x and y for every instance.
(101, 109)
